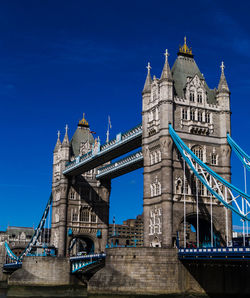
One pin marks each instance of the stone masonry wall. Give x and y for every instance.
(142, 271)
(45, 271)
(135, 271)
(3, 277)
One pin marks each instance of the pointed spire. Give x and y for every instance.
(223, 86)
(147, 85)
(66, 138)
(58, 142)
(166, 72)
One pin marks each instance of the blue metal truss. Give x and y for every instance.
(85, 262)
(34, 238)
(244, 158)
(221, 189)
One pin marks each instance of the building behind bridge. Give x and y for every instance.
(130, 233)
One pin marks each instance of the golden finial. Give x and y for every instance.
(83, 122)
(185, 49)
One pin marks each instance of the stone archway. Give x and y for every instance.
(81, 245)
(204, 232)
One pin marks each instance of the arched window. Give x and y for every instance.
(72, 195)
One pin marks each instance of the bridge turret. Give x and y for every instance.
(157, 113)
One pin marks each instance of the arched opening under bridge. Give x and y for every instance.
(81, 245)
(203, 237)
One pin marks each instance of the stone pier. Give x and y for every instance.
(157, 271)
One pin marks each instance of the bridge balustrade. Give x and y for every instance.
(214, 253)
(80, 263)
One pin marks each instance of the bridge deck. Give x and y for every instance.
(120, 167)
(220, 253)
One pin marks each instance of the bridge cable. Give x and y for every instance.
(211, 220)
(184, 167)
(197, 215)
(242, 155)
(245, 180)
(219, 182)
(38, 230)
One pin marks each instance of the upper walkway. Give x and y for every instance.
(122, 144)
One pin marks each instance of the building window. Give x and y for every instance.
(200, 188)
(184, 114)
(84, 215)
(200, 116)
(155, 188)
(72, 195)
(74, 217)
(191, 96)
(198, 151)
(214, 159)
(93, 217)
(207, 118)
(192, 115)
(199, 97)
(155, 157)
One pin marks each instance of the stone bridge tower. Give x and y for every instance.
(201, 117)
(80, 213)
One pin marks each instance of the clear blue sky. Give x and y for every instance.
(59, 59)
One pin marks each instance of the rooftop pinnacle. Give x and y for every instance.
(66, 137)
(58, 142)
(223, 86)
(147, 85)
(166, 72)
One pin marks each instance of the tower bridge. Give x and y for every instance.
(184, 149)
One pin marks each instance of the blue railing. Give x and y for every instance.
(214, 253)
(79, 263)
(128, 160)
